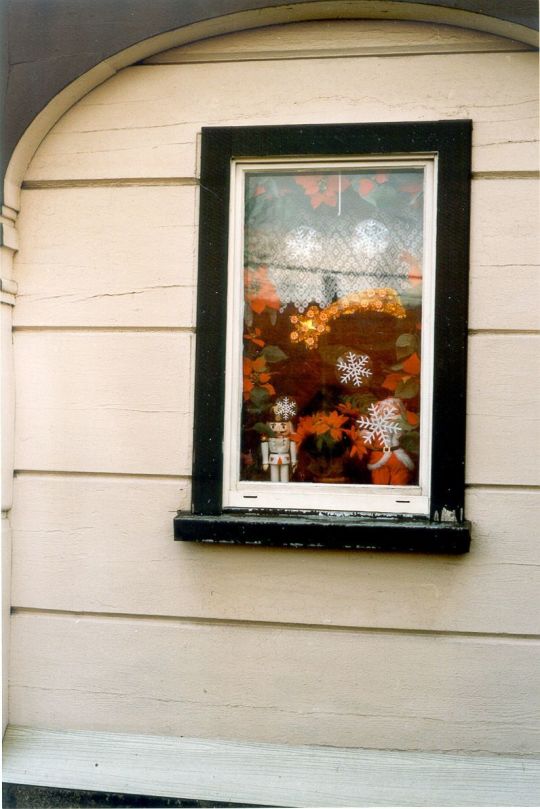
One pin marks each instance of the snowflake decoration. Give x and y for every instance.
(381, 425)
(353, 368)
(285, 408)
(303, 244)
(371, 238)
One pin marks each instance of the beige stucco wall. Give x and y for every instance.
(117, 627)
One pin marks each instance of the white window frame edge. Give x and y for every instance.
(320, 497)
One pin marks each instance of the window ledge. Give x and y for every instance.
(351, 532)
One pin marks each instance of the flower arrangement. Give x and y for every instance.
(329, 439)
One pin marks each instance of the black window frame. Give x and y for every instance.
(445, 530)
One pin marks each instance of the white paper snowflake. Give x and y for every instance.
(381, 426)
(285, 408)
(353, 368)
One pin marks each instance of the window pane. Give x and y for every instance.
(332, 326)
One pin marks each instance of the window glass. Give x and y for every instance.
(332, 326)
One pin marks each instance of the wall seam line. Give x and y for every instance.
(248, 623)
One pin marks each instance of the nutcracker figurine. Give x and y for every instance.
(279, 450)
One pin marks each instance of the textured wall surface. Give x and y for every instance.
(45, 45)
(118, 628)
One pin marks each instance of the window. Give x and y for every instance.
(331, 337)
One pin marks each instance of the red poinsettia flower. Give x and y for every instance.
(365, 186)
(304, 430)
(254, 336)
(256, 375)
(322, 188)
(358, 446)
(331, 423)
(260, 292)
(319, 424)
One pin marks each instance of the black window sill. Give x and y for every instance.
(279, 529)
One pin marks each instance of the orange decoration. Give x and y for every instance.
(393, 473)
(392, 381)
(358, 446)
(365, 186)
(256, 375)
(412, 365)
(260, 292)
(322, 188)
(412, 418)
(309, 327)
(319, 424)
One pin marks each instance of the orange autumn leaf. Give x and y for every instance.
(392, 381)
(412, 364)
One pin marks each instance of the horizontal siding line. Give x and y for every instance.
(504, 332)
(506, 175)
(143, 182)
(248, 623)
(502, 487)
(105, 182)
(193, 330)
(496, 487)
(106, 329)
(341, 53)
(81, 474)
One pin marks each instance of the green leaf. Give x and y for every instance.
(406, 340)
(359, 401)
(410, 442)
(408, 389)
(371, 199)
(273, 354)
(406, 344)
(405, 426)
(263, 429)
(259, 396)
